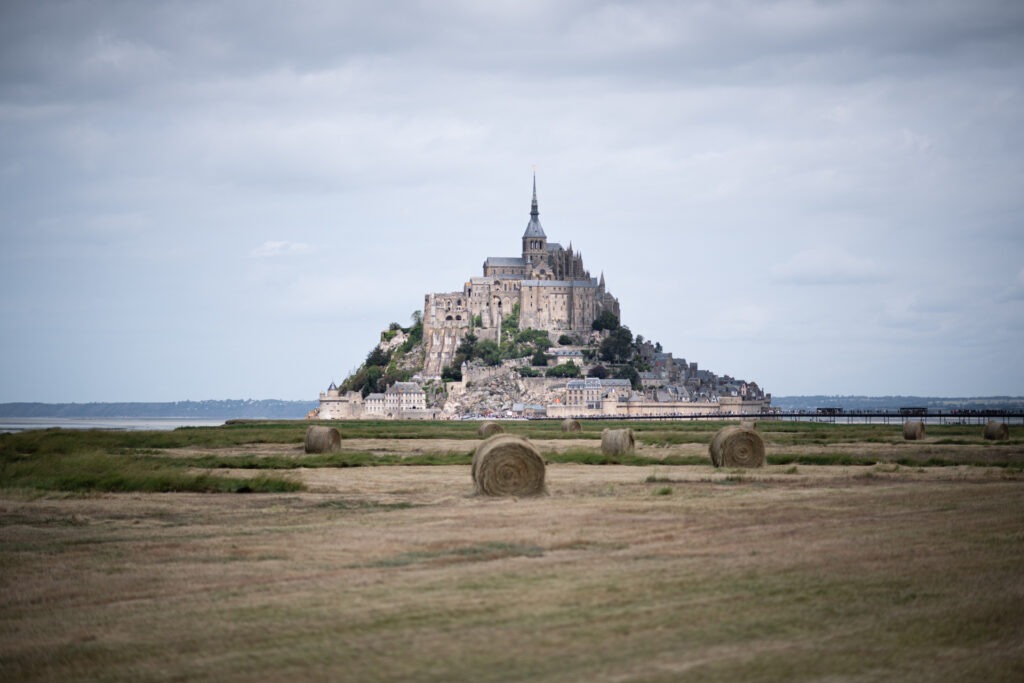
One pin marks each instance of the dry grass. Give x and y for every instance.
(881, 572)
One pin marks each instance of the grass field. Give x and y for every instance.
(853, 556)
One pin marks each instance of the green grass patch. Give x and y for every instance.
(316, 460)
(583, 456)
(94, 471)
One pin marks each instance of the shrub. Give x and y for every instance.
(564, 370)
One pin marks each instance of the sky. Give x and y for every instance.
(231, 199)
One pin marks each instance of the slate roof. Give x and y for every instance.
(504, 261)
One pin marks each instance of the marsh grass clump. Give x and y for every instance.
(96, 471)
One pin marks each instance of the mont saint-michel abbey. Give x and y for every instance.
(548, 284)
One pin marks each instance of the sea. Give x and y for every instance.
(21, 424)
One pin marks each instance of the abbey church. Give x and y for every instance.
(547, 283)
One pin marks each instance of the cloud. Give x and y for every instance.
(1015, 292)
(274, 249)
(826, 266)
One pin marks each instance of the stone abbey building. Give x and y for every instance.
(548, 283)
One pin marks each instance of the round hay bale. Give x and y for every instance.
(571, 425)
(737, 446)
(913, 431)
(996, 431)
(322, 439)
(748, 424)
(508, 465)
(617, 441)
(489, 429)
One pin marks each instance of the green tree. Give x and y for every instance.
(618, 346)
(538, 338)
(488, 352)
(564, 370)
(565, 340)
(378, 357)
(606, 320)
(598, 371)
(539, 359)
(630, 373)
(467, 348)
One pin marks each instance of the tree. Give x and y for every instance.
(630, 373)
(488, 352)
(378, 357)
(451, 374)
(467, 348)
(565, 340)
(606, 320)
(564, 370)
(538, 338)
(617, 347)
(539, 358)
(598, 371)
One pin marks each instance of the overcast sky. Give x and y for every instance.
(231, 199)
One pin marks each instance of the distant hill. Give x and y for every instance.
(870, 403)
(214, 410)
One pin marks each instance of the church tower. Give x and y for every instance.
(535, 242)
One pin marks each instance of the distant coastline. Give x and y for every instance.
(294, 410)
(190, 410)
(892, 403)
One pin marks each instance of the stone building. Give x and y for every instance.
(401, 401)
(547, 284)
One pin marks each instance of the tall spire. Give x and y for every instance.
(533, 228)
(533, 205)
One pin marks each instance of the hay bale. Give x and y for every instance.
(322, 439)
(737, 446)
(913, 431)
(617, 441)
(571, 425)
(748, 424)
(508, 465)
(996, 431)
(489, 429)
